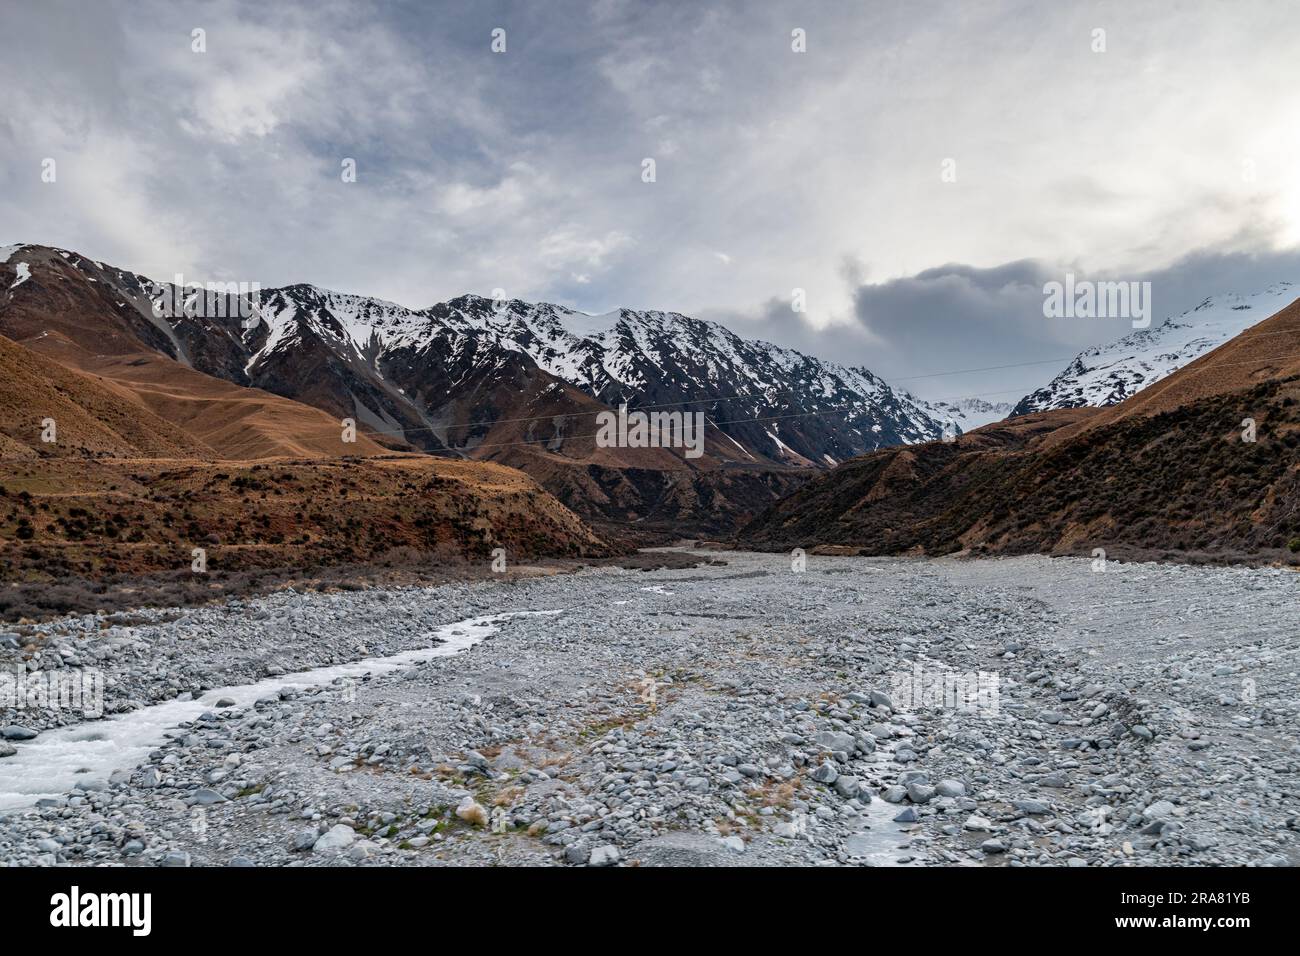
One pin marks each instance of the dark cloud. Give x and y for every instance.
(959, 330)
(777, 170)
(959, 317)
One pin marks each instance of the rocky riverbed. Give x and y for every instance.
(1019, 711)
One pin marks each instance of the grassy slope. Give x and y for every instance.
(1176, 483)
(101, 518)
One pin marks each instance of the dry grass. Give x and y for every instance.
(97, 520)
(777, 795)
(507, 797)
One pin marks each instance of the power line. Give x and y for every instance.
(987, 368)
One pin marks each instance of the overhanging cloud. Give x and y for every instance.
(776, 170)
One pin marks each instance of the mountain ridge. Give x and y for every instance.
(502, 380)
(376, 349)
(1201, 466)
(1108, 374)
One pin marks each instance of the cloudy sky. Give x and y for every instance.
(1169, 156)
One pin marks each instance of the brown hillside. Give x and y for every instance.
(658, 503)
(91, 417)
(1176, 484)
(92, 328)
(1165, 474)
(98, 518)
(239, 423)
(1268, 351)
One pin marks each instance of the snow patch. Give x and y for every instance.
(1108, 374)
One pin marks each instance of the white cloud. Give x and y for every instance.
(523, 171)
(566, 247)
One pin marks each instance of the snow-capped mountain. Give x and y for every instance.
(473, 375)
(774, 402)
(1108, 374)
(430, 375)
(968, 413)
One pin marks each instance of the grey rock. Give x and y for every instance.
(919, 792)
(831, 740)
(733, 843)
(950, 788)
(362, 850)
(338, 837)
(826, 773)
(847, 787)
(1160, 810)
(605, 855)
(1035, 807)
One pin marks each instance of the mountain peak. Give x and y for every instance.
(1108, 374)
